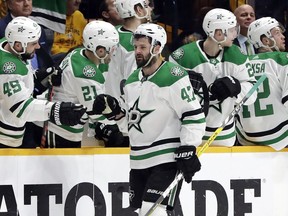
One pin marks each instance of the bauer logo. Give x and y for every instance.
(9, 67)
(89, 71)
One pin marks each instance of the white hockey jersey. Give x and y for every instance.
(266, 121)
(230, 62)
(17, 106)
(81, 82)
(122, 63)
(163, 114)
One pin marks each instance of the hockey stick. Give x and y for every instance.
(208, 143)
(45, 125)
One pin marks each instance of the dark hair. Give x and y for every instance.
(138, 36)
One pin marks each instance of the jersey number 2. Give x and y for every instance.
(268, 110)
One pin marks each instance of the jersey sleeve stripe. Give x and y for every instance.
(284, 99)
(209, 129)
(26, 104)
(157, 143)
(15, 106)
(191, 113)
(152, 154)
(8, 127)
(199, 121)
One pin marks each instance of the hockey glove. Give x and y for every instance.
(44, 77)
(110, 134)
(107, 106)
(187, 161)
(66, 113)
(224, 87)
(196, 80)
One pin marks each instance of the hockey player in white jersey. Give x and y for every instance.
(165, 122)
(224, 69)
(17, 106)
(272, 38)
(134, 12)
(82, 80)
(266, 121)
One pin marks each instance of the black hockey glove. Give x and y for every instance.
(196, 80)
(44, 77)
(224, 87)
(56, 78)
(110, 134)
(66, 113)
(107, 106)
(187, 161)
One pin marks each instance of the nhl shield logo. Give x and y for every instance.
(178, 54)
(177, 71)
(89, 71)
(9, 67)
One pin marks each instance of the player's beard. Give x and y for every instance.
(26, 56)
(141, 61)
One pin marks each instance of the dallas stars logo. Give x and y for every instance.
(220, 16)
(257, 24)
(136, 115)
(178, 54)
(217, 106)
(214, 61)
(101, 32)
(21, 29)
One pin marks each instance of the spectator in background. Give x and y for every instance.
(266, 121)
(185, 37)
(75, 23)
(3, 9)
(108, 12)
(245, 15)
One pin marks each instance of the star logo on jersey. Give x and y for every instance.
(9, 67)
(21, 29)
(178, 54)
(136, 115)
(89, 71)
(177, 71)
(217, 106)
